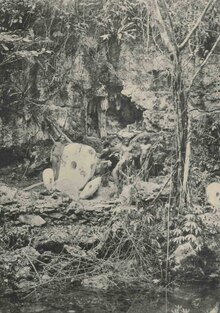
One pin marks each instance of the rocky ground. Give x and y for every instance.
(40, 230)
(49, 236)
(46, 237)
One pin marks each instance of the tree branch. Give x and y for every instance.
(168, 14)
(203, 63)
(164, 32)
(185, 41)
(58, 129)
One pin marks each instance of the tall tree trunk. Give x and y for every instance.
(165, 27)
(187, 161)
(181, 111)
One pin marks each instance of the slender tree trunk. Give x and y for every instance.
(181, 111)
(187, 161)
(180, 102)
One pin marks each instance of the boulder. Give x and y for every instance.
(7, 194)
(91, 188)
(78, 164)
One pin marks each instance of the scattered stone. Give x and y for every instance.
(72, 207)
(91, 188)
(79, 210)
(24, 272)
(44, 193)
(95, 207)
(45, 278)
(7, 194)
(97, 282)
(78, 164)
(33, 220)
(47, 210)
(57, 216)
(24, 194)
(47, 206)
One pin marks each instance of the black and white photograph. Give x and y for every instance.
(109, 156)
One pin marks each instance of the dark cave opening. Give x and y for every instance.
(121, 110)
(128, 112)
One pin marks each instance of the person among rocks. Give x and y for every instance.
(56, 156)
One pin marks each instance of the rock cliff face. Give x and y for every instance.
(97, 92)
(98, 96)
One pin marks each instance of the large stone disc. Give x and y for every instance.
(78, 163)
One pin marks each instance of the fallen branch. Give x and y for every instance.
(32, 186)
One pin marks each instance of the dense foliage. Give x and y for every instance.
(41, 32)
